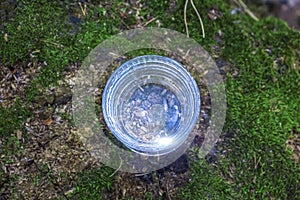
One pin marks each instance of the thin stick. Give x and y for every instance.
(116, 169)
(151, 20)
(244, 6)
(184, 15)
(83, 10)
(199, 17)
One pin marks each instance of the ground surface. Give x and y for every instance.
(42, 46)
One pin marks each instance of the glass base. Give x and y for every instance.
(153, 111)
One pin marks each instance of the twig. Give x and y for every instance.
(53, 43)
(151, 20)
(122, 21)
(199, 17)
(83, 9)
(244, 6)
(116, 169)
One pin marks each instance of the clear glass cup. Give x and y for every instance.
(151, 104)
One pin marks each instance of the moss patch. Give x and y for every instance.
(92, 184)
(206, 183)
(263, 105)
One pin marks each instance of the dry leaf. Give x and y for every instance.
(48, 121)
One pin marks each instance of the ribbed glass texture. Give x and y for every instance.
(151, 104)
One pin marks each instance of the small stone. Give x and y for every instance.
(141, 113)
(62, 94)
(144, 129)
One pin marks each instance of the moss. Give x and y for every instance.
(58, 55)
(206, 183)
(10, 144)
(10, 121)
(263, 107)
(261, 122)
(263, 103)
(32, 29)
(91, 184)
(12, 117)
(175, 20)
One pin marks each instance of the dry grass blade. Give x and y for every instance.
(185, 21)
(246, 9)
(199, 17)
(121, 163)
(83, 9)
(148, 22)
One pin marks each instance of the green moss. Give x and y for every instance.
(261, 122)
(12, 117)
(206, 183)
(98, 26)
(175, 20)
(32, 29)
(91, 184)
(72, 48)
(263, 107)
(10, 145)
(263, 103)
(10, 121)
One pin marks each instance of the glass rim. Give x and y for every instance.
(133, 66)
